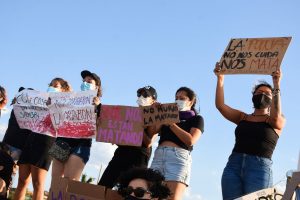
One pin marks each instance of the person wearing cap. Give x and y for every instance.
(173, 155)
(127, 157)
(3, 98)
(80, 147)
(35, 160)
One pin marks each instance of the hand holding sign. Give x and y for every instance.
(276, 76)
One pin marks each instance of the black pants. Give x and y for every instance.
(123, 160)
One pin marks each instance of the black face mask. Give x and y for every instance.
(261, 101)
(129, 197)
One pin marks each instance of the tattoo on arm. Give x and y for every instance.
(276, 103)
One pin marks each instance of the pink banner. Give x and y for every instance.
(120, 125)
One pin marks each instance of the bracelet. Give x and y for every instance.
(171, 125)
(275, 92)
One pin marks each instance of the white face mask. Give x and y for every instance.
(182, 105)
(142, 101)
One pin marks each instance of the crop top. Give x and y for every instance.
(166, 134)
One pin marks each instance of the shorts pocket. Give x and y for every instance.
(181, 153)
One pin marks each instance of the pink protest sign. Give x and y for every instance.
(32, 112)
(120, 125)
(73, 114)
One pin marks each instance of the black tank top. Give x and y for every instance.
(255, 138)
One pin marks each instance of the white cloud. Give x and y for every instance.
(101, 153)
(188, 195)
(3, 128)
(5, 111)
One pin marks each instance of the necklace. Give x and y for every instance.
(259, 115)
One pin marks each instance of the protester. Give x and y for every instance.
(142, 183)
(173, 155)
(249, 166)
(3, 98)
(6, 170)
(15, 137)
(35, 160)
(126, 157)
(80, 148)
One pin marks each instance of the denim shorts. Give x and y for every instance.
(174, 163)
(245, 174)
(15, 153)
(83, 152)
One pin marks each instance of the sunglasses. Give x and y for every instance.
(138, 192)
(143, 93)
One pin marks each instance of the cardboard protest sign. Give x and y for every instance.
(163, 114)
(67, 189)
(291, 186)
(112, 195)
(73, 114)
(120, 125)
(268, 193)
(254, 55)
(32, 112)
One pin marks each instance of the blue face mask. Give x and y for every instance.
(87, 86)
(52, 89)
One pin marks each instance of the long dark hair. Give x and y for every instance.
(191, 95)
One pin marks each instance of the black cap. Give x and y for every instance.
(150, 91)
(22, 88)
(86, 73)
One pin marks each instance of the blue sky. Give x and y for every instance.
(163, 43)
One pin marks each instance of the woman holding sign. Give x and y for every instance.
(35, 160)
(173, 155)
(249, 166)
(79, 154)
(127, 157)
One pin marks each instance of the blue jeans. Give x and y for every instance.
(245, 174)
(82, 152)
(298, 193)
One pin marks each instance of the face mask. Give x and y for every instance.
(182, 105)
(142, 101)
(129, 197)
(52, 89)
(261, 101)
(87, 86)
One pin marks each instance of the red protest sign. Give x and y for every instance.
(120, 125)
(73, 114)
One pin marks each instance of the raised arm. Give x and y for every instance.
(276, 120)
(229, 113)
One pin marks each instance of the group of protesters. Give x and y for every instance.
(248, 168)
